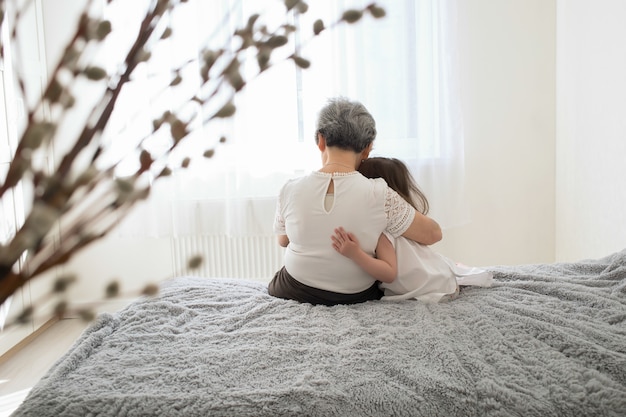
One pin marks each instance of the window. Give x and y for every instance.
(401, 67)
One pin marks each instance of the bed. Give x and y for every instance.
(544, 340)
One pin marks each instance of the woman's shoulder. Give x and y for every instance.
(378, 182)
(379, 185)
(304, 180)
(297, 179)
(376, 185)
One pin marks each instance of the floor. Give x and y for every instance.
(24, 368)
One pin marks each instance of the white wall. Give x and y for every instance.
(591, 128)
(508, 58)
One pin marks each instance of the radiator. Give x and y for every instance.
(253, 257)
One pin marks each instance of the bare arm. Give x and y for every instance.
(283, 240)
(384, 267)
(423, 230)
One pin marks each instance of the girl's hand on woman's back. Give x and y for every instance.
(345, 243)
(384, 267)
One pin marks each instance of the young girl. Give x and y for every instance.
(420, 272)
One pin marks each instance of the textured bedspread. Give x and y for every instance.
(545, 340)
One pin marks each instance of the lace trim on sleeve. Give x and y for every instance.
(400, 214)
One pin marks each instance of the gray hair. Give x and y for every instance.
(346, 124)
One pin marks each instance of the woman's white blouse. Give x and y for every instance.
(365, 207)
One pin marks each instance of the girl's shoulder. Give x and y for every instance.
(303, 181)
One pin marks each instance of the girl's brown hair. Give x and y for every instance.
(398, 177)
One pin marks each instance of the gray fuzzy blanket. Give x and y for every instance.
(545, 340)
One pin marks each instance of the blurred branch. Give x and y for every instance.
(80, 200)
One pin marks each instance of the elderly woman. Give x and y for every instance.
(310, 208)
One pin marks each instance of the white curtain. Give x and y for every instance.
(402, 68)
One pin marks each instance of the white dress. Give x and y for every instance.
(425, 275)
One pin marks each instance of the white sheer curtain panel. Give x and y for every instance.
(402, 68)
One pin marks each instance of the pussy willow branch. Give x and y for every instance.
(55, 192)
(50, 196)
(110, 99)
(235, 56)
(86, 310)
(218, 82)
(99, 209)
(13, 175)
(12, 280)
(71, 242)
